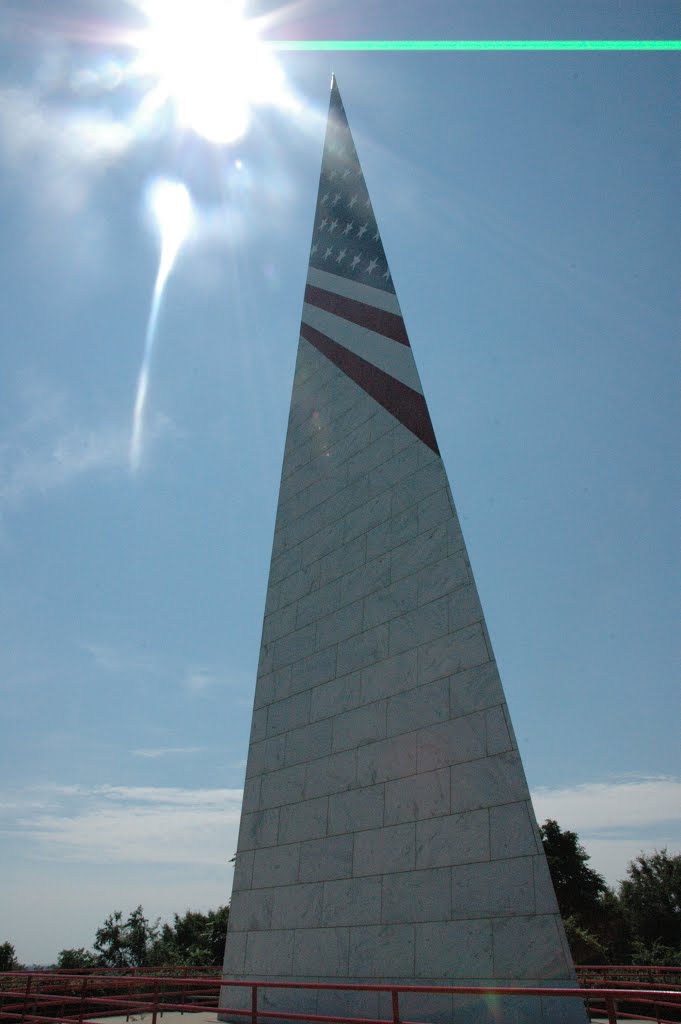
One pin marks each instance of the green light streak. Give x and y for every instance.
(476, 44)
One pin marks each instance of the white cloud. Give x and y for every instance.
(189, 828)
(59, 149)
(616, 820)
(625, 803)
(57, 461)
(156, 752)
(611, 856)
(129, 824)
(201, 679)
(45, 450)
(118, 661)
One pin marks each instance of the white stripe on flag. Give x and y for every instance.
(354, 290)
(389, 356)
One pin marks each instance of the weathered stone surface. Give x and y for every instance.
(455, 839)
(454, 949)
(384, 850)
(297, 906)
(321, 951)
(417, 708)
(417, 896)
(488, 782)
(304, 820)
(269, 952)
(323, 859)
(386, 831)
(419, 796)
(529, 947)
(356, 810)
(377, 950)
(276, 866)
(360, 726)
(512, 832)
(353, 901)
(493, 889)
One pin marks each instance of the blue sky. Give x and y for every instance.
(528, 204)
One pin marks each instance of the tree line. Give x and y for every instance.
(637, 923)
(192, 940)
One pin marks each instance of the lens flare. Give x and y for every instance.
(171, 208)
(205, 59)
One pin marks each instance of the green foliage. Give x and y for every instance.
(584, 946)
(579, 889)
(656, 955)
(76, 959)
(640, 924)
(590, 911)
(8, 958)
(140, 936)
(194, 939)
(109, 941)
(613, 930)
(125, 943)
(651, 898)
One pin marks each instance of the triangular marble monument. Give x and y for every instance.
(387, 831)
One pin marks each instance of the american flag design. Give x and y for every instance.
(351, 313)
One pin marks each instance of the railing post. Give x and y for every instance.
(254, 1004)
(612, 1011)
(154, 1013)
(83, 988)
(27, 993)
(396, 1006)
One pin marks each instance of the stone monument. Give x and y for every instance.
(387, 832)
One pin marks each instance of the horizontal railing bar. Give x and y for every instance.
(625, 967)
(510, 990)
(649, 985)
(149, 991)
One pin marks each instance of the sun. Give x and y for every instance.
(204, 58)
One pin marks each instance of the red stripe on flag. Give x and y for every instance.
(388, 324)
(405, 404)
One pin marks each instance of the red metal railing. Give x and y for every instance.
(628, 975)
(77, 998)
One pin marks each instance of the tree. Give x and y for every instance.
(109, 941)
(594, 923)
(76, 959)
(216, 933)
(651, 899)
(657, 955)
(194, 939)
(612, 929)
(8, 958)
(584, 946)
(579, 889)
(125, 944)
(140, 936)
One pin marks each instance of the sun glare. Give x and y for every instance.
(170, 205)
(205, 58)
(171, 208)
